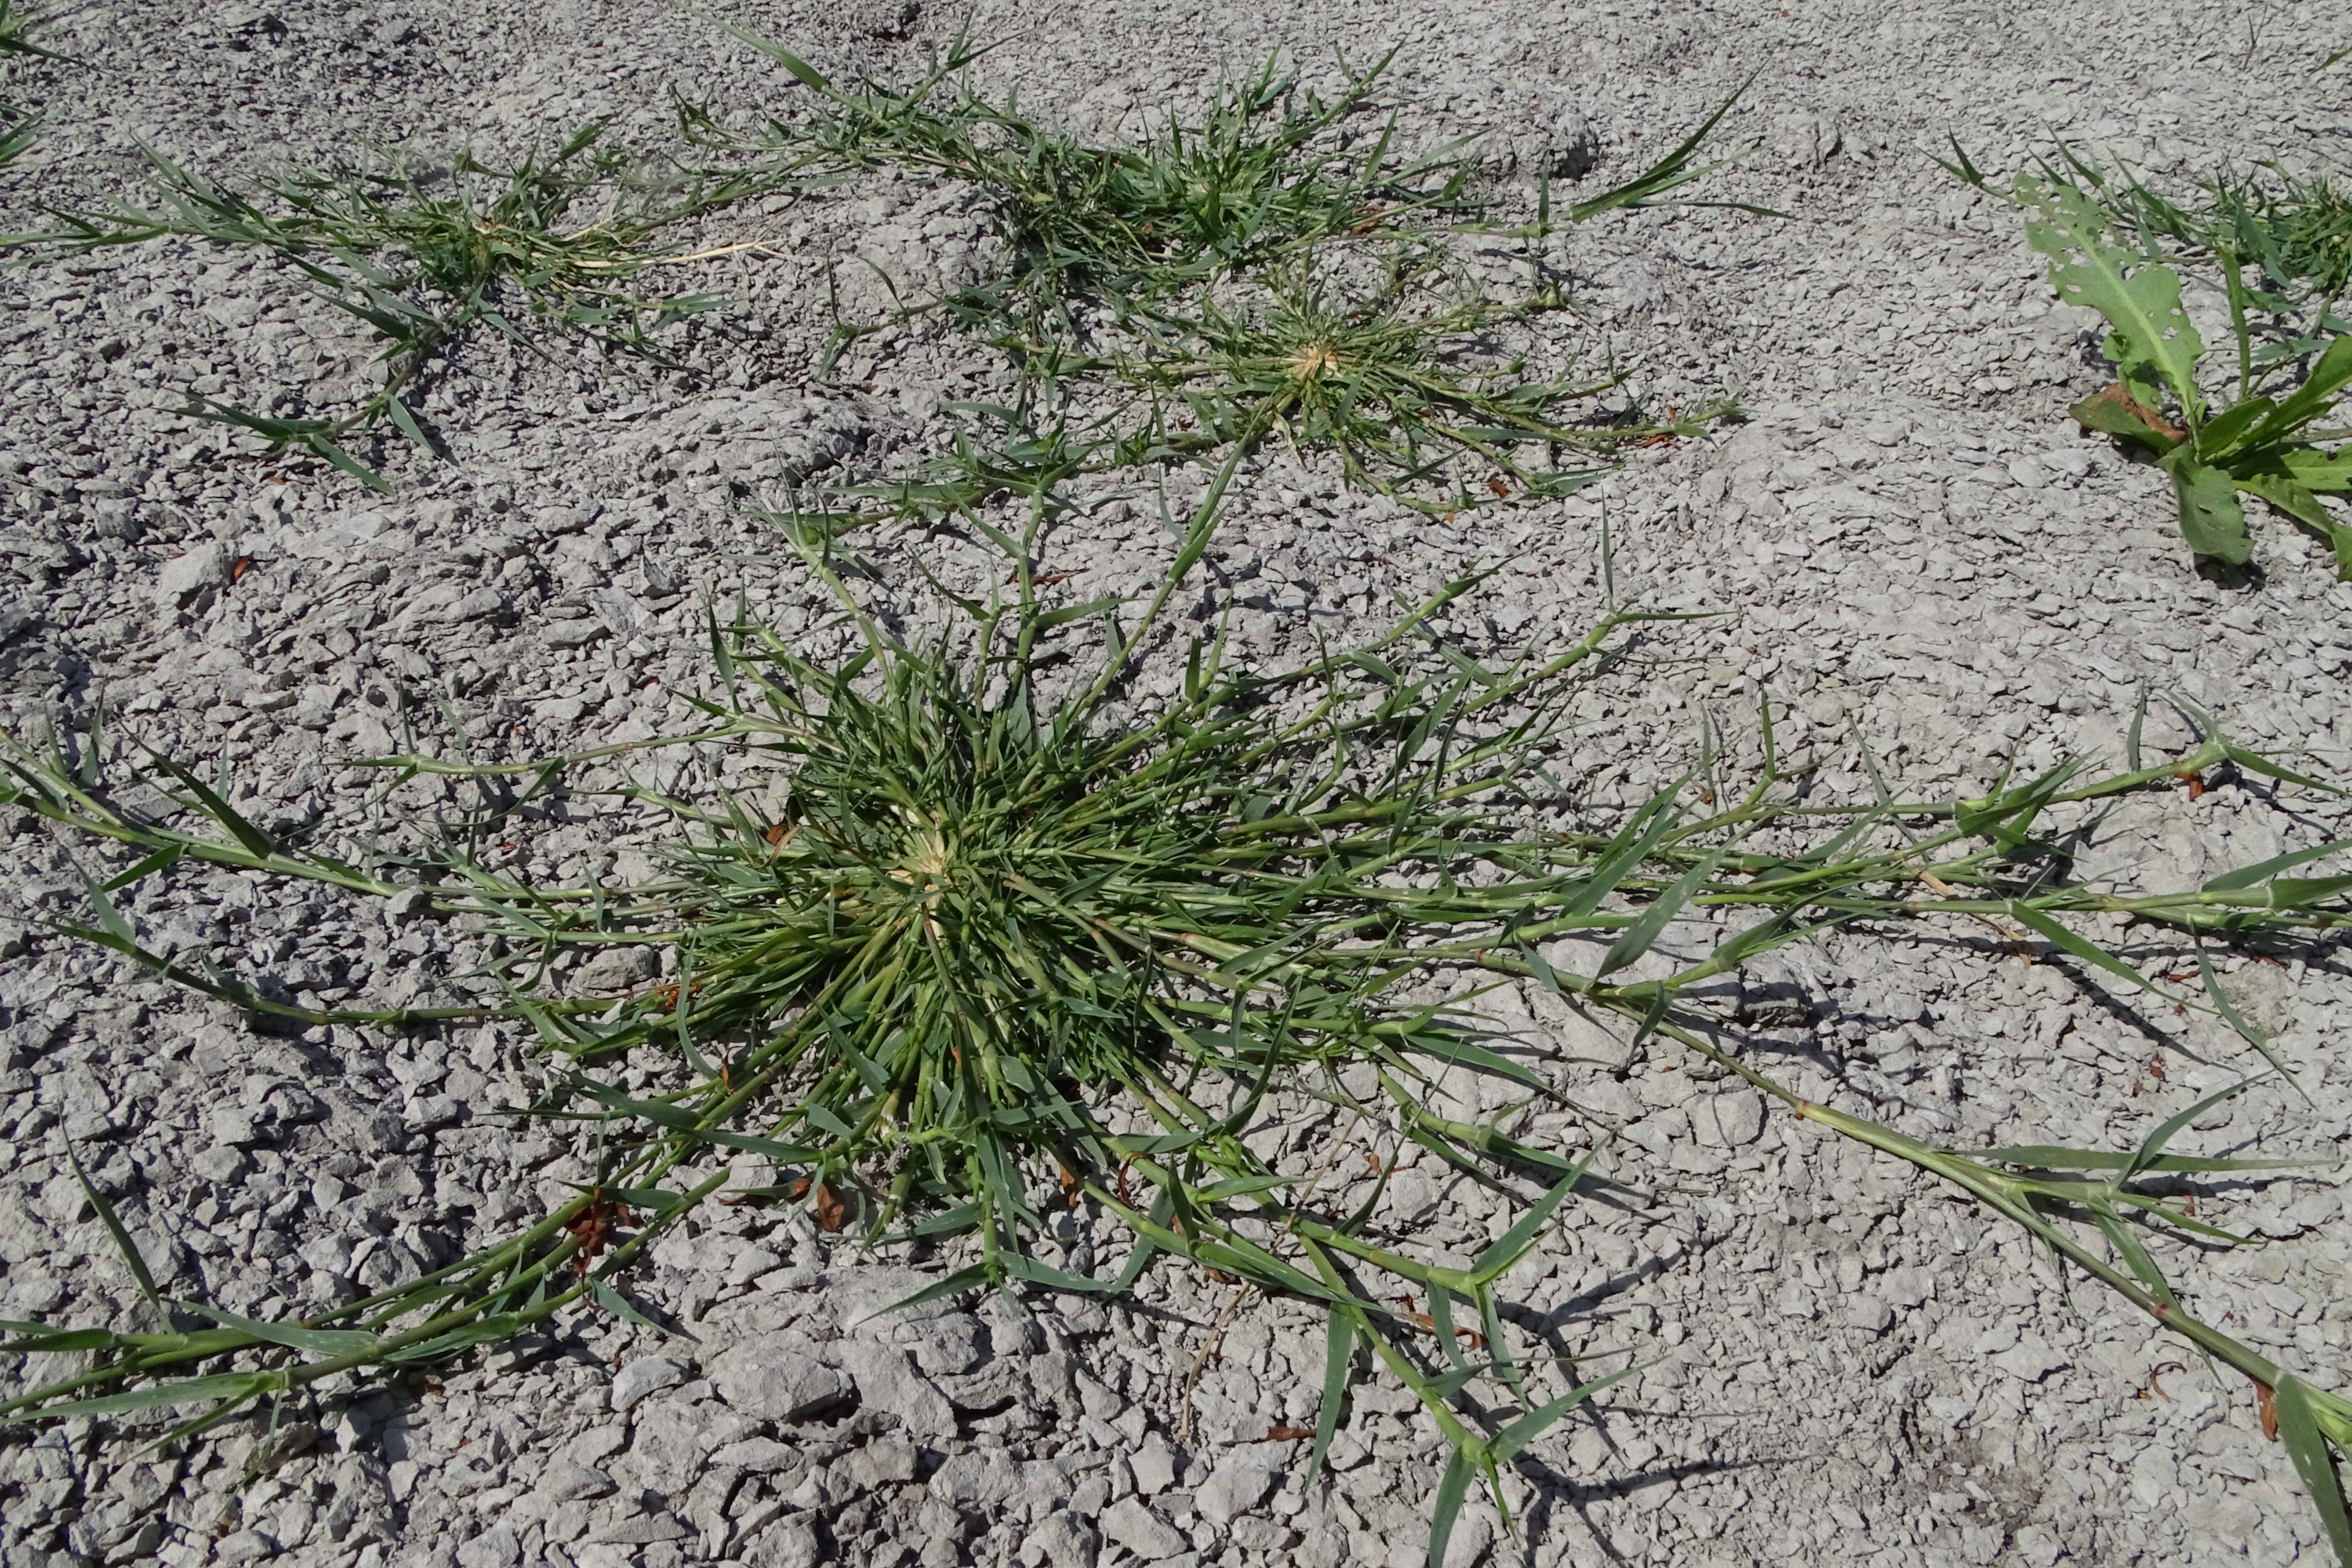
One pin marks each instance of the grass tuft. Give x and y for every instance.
(423, 257)
(1279, 268)
(19, 127)
(975, 940)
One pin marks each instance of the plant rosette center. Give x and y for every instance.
(1314, 360)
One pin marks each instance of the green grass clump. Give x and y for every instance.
(15, 21)
(974, 938)
(2296, 229)
(423, 257)
(1280, 268)
(19, 127)
(1261, 177)
(1376, 377)
(19, 130)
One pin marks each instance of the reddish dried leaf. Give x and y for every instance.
(831, 1209)
(1428, 1325)
(2114, 392)
(592, 1229)
(2195, 780)
(2266, 1406)
(1222, 1278)
(1069, 1187)
(1497, 486)
(777, 834)
(239, 567)
(1289, 1433)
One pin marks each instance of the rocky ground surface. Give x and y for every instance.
(1909, 541)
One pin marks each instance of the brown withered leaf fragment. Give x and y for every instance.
(1497, 486)
(1289, 1433)
(777, 834)
(2195, 780)
(1222, 1278)
(593, 1229)
(831, 1209)
(2113, 411)
(2266, 1406)
(239, 567)
(1428, 1325)
(1069, 1187)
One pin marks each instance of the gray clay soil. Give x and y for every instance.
(1908, 541)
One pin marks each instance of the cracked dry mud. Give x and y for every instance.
(1907, 541)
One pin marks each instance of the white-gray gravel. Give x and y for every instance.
(1910, 539)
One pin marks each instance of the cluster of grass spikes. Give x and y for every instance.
(424, 256)
(989, 939)
(1280, 267)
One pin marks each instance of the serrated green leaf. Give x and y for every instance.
(2153, 340)
(2212, 521)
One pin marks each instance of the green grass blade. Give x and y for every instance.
(1638, 937)
(2264, 870)
(1505, 1252)
(2081, 947)
(232, 1386)
(2152, 1147)
(106, 1216)
(2244, 1027)
(2307, 1445)
(316, 1342)
(1453, 1490)
(1508, 1443)
(1338, 1351)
